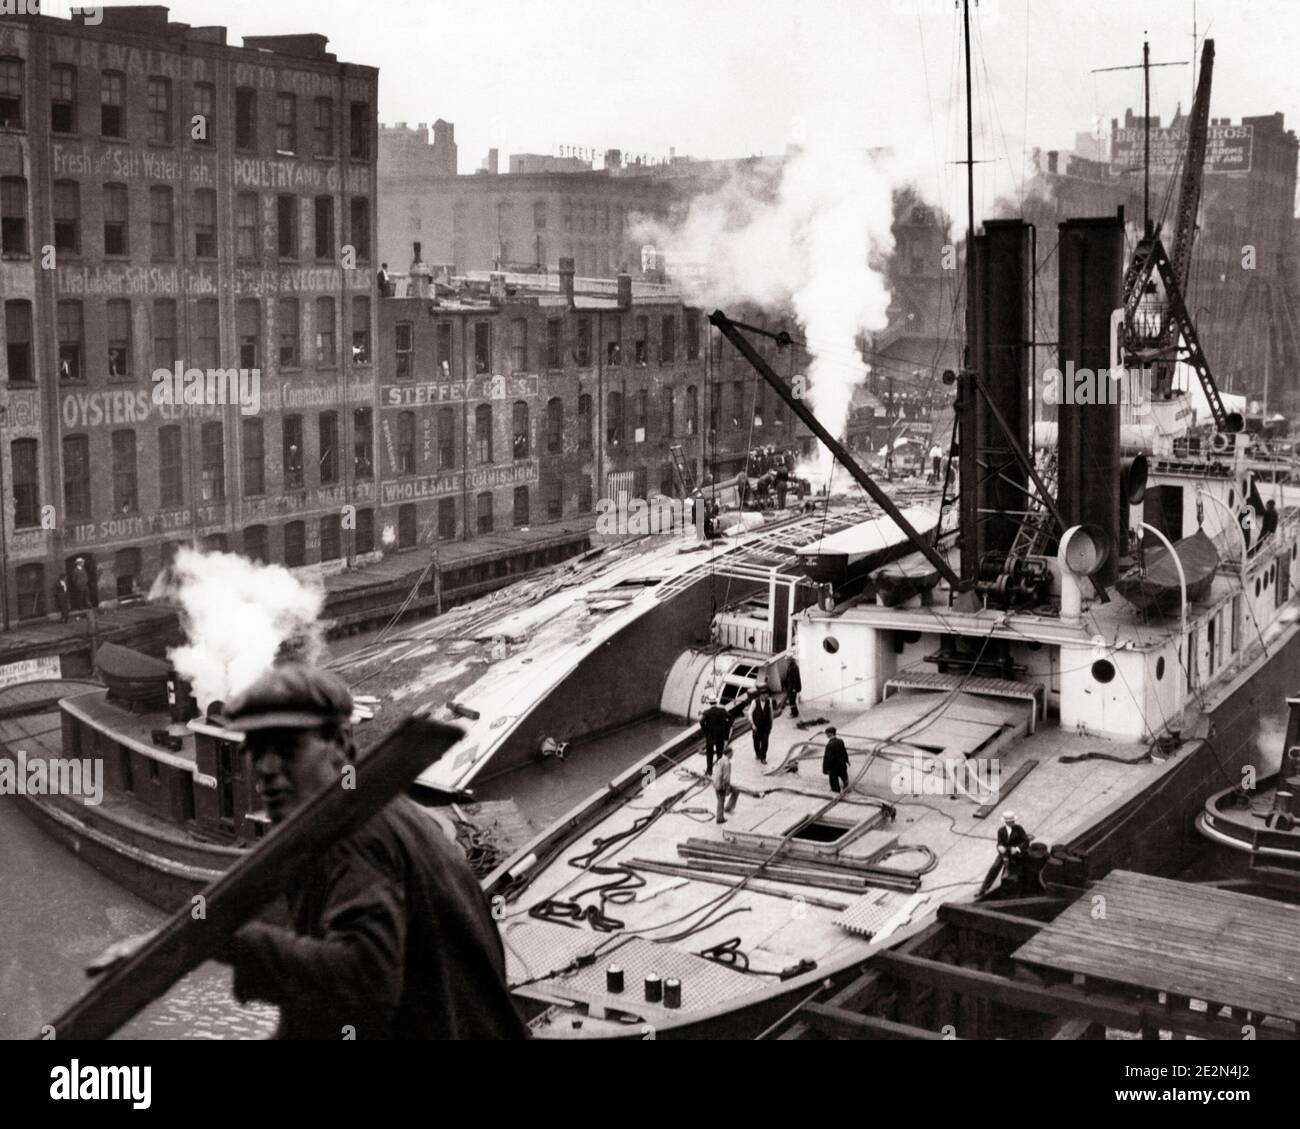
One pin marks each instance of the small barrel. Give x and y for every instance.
(614, 978)
(672, 992)
(654, 988)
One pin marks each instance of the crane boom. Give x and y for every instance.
(1189, 196)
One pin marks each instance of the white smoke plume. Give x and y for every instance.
(813, 239)
(238, 617)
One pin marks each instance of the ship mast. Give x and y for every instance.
(970, 196)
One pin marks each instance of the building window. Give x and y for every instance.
(119, 339)
(287, 316)
(360, 331)
(328, 432)
(246, 226)
(125, 495)
(286, 123)
(359, 227)
(442, 349)
(27, 483)
(160, 109)
(213, 448)
(407, 528)
(484, 503)
(483, 433)
(171, 468)
(584, 494)
(359, 130)
(519, 430)
(715, 408)
(245, 118)
(446, 438)
(642, 344)
(403, 337)
(63, 99)
(295, 544)
(256, 544)
(31, 590)
(204, 101)
(668, 340)
(482, 346)
(18, 340)
(642, 415)
(405, 443)
(667, 409)
(614, 343)
(554, 499)
(582, 347)
(446, 519)
(323, 128)
(554, 426)
(67, 216)
(692, 334)
(286, 226)
(692, 410)
(207, 333)
(70, 340)
(584, 422)
(291, 451)
(254, 444)
(116, 217)
(326, 351)
(161, 225)
(12, 87)
(331, 537)
(614, 419)
(521, 506)
(76, 476)
(363, 443)
(13, 215)
(539, 215)
(554, 344)
(737, 402)
(519, 345)
(324, 208)
(205, 223)
(248, 332)
(364, 534)
(127, 566)
(111, 86)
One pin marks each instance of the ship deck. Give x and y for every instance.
(786, 923)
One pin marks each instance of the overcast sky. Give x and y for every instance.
(725, 78)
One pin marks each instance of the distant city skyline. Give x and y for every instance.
(733, 78)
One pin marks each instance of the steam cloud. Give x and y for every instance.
(239, 618)
(813, 239)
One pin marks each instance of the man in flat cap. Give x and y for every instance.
(1013, 842)
(391, 934)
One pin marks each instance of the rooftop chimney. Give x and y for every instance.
(492, 162)
(566, 280)
(419, 275)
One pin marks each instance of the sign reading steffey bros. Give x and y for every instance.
(1227, 149)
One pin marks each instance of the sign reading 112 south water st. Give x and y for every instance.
(1227, 149)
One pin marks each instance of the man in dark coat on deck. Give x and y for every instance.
(792, 684)
(1013, 842)
(835, 761)
(760, 719)
(716, 724)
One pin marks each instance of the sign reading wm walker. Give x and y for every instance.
(1228, 148)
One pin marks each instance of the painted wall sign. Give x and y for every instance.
(30, 670)
(454, 391)
(481, 478)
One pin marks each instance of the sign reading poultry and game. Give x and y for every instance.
(1228, 148)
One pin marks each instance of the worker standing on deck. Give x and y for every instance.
(792, 684)
(760, 719)
(835, 761)
(391, 935)
(1270, 519)
(716, 724)
(936, 464)
(1013, 842)
(721, 776)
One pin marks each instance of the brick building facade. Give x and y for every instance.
(170, 199)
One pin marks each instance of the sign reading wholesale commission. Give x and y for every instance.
(1228, 148)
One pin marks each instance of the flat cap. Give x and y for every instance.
(292, 696)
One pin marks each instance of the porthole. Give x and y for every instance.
(1103, 670)
(1160, 668)
(1257, 586)
(1232, 496)
(831, 644)
(911, 636)
(1034, 645)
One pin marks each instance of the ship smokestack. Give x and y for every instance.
(1088, 453)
